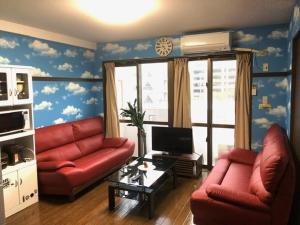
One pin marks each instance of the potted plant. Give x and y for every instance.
(137, 120)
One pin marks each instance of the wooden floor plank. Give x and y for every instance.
(91, 208)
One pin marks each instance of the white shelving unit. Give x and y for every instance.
(20, 187)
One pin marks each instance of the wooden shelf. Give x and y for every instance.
(16, 135)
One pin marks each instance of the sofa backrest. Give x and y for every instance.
(69, 141)
(270, 165)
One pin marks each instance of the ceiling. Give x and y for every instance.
(171, 17)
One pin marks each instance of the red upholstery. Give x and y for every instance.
(74, 154)
(246, 188)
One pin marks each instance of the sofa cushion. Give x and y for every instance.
(237, 177)
(90, 144)
(53, 136)
(67, 152)
(274, 158)
(256, 187)
(87, 128)
(101, 162)
(114, 142)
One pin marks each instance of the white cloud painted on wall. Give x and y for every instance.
(43, 49)
(115, 48)
(284, 84)
(59, 121)
(89, 55)
(47, 90)
(37, 72)
(71, 110)
(243, 37)
(7, 43)
(87, 74)
(70, 53)
(43, 106)
(35, 93)
(91, 101)
(65, 67)
(96, 88)
(262, 122)
(278, 111)
(278, 34)
(142, 46)
(4, 60)
(75, 88)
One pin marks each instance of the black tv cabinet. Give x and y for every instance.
(188, 165)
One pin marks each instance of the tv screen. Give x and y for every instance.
(172, 140)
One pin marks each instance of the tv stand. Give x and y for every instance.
(189, 165)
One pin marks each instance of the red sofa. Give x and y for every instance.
(73, 155)
(247, 188)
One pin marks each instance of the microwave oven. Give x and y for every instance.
(14, 120)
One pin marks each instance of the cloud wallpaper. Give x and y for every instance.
(55, 101)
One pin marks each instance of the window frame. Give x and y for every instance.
(209, 125)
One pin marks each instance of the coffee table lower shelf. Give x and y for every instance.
(143, 193)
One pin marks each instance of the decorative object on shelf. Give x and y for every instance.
(137, 120)
(163, 46)
(15, 153)
(264, 104)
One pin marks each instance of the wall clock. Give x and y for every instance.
(163, 46)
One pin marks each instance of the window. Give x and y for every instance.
(212, 90)
(212, 106)
(149, 81)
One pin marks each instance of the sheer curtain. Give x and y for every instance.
(111, 117)
(242, 101)
(182, 98)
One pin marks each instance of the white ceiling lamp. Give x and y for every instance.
(117, 12)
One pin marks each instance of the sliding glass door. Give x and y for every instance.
(212, 106)
(212, 82)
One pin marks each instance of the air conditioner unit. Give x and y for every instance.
(209, 42)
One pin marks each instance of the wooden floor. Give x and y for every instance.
(91, 208)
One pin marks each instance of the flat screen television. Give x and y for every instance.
(175, 141)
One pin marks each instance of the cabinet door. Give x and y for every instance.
(28, 184)
(5, 87)
(10, 190)
(22, 86)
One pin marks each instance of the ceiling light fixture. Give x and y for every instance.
(117, 12)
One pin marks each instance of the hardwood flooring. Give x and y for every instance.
(91, 208)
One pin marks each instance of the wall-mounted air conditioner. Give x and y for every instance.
(209, 42)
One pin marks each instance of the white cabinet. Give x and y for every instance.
(20, 188)
(15, 85)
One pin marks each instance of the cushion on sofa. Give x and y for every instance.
(237, 177)
(53, 136)
(54, 165)
(256, 187)
(90, 144)
(274, 159)
(114, 142)
(87, 128)
(67, 152)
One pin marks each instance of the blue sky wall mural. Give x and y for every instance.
(272, 42)
(54, 101)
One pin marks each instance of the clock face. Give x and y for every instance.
(163, 46)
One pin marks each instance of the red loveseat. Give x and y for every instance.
(247, 188)
(73, 155)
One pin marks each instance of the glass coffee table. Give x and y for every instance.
(140, 180)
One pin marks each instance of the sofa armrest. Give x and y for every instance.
(113, 142)
(242, 156)
(54, 165)
(243, 199)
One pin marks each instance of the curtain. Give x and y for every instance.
(111, 117)
(182, 98)
(242, 101)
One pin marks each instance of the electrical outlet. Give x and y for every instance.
(265, 67)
